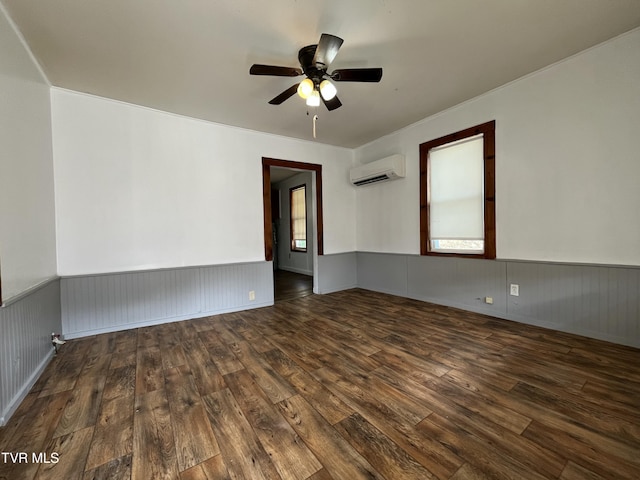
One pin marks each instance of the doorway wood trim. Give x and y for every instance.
(267, 163)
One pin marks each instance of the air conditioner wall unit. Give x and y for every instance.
(388, 168)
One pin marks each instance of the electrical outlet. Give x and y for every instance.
(252, 295)
(514, 290)
(488, 300)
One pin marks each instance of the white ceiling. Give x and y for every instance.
(192, 57)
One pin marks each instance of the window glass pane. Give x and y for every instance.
(456, 208)
(298, 218)
(457, 246)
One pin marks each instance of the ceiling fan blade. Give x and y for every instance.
(289, 92)
(258, 69)
(331, 104)
(357, 75)
(327, 49)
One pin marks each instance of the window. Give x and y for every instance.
(457, 194)
(298, 211)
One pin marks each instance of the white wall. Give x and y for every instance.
(299, 262)
(27, 217)
(138, 188)
(567, 163)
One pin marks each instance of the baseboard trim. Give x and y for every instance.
(337, 289)
(25, 389)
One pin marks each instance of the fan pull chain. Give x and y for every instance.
(315, 117)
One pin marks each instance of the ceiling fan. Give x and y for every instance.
(314, 60)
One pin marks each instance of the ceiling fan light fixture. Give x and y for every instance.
(305, 88)
(313, 100)
(328, 90)
(318, 86)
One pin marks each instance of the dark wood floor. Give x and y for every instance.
(349, 385)
(290, 285)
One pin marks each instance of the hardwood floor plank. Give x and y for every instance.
(295, 348)
(126, 341)
(102, 345)
(72, 452)
(194, 438)
(65, 370)
(290, 285)
(289, 454)
(172, 356)
(554, 420)
(123, 359)
(225, 360)
(369, 394)
(477, 450)
(499, 413)
(535, 346)
(336, 334)
(343, 359)
(226, 333)
(113, 435)
(203, 370)
(117, 469)
(623, 465)
(9, 432)
(472, 376)
(148, 337)
(34, 434)
(575, 472)
(570, 405)
(434, 456)
(615, 365)
(273, 385)
(321, 475)
(619, 397)
(82, 408)
(241, 449)
(450, 406)
(154, 451)
(469, 472)
(149, 373)
(95, 369)
(257, 340)
(211, 469)
(322, 399)
(385, 456)
(418, 368)
(188, 329)
(336, 454)
(121, 382)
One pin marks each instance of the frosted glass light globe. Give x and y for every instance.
(305, 88)
(328, 90)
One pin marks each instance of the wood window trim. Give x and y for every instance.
(291, 240)
(488, 131)
(267, 163)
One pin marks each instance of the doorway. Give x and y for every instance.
(292, 197)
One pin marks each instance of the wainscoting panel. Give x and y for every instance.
(596, 301)
(337, 272)
(383, 272)
(226, 287)
(458, 282)
(26, 324)
(119, 301)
